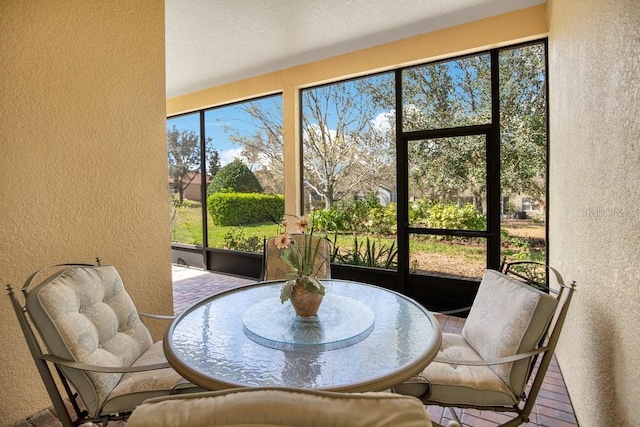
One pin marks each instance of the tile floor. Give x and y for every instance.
(553, 407)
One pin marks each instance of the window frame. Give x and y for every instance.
(401, 279)
(490, 130)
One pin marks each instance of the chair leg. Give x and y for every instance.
(73, 397)
(41, 365)
(454, 415)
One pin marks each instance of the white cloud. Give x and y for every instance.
(317, 131)
(382, 121)
(228, 156)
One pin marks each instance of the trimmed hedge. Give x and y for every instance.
(244, 208)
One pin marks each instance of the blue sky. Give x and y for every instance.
(215, 121)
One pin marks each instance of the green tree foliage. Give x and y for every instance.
(458, 93)
(443, 168)
(214, 163)
(234, 177)
(523, 137)
(183, 148)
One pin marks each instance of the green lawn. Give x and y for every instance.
(187, 228)
(426, 254)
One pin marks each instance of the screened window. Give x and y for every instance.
(349, 168)
(473, 179)
(447, 94)
(436, 169)
(245, 163)
(240, 154)
(523, 151)
(185, 178)
(466, 184)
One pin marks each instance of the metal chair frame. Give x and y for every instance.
(546, 347)
(43, 361)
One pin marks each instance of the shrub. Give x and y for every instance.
(453, 217)
(362, 215)
(418, 211)
(244, 208)
(382, 219)
(357, 212)
(328, 219)
(234, 177)
(369, 254)
(236, 240)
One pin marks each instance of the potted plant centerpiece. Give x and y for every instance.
(305, 255)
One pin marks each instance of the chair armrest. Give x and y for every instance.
(455, 311)
(107, 369)
(499, 361)
(157, 316)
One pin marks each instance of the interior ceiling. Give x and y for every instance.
(212, 42)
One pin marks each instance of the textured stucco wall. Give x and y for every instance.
(82, 158)
(594, 225)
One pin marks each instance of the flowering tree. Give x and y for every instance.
(344, 149)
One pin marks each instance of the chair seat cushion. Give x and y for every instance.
(281, 407)
(451, 384)
(136, 387)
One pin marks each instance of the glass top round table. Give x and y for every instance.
(364, 338)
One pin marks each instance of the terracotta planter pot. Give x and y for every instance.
(304, 302)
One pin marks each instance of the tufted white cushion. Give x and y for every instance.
(281, 407)
(85, 314)
(507, 317)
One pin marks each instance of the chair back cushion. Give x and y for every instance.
(275, 268)
(86, 315)
(281, 407)
(508, 317)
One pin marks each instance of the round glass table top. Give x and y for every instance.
(364, 338)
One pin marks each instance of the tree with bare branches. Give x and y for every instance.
(183, 148)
